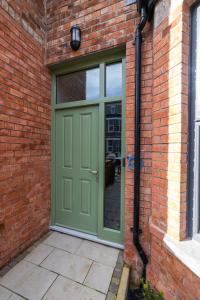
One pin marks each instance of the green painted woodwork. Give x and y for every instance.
(83, 108)
(91, 60)
(76, 138)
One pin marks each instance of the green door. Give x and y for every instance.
(77, 137)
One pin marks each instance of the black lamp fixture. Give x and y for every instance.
(75, 37)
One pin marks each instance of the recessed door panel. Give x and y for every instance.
(67, 196)
(85, 125)
(85, 197)
(76, 160)
(68, 143)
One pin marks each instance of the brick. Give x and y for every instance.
(25, 81)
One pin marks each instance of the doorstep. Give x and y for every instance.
(61, 267)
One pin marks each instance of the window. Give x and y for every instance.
(113, 125)
(113, 151)
(81, 85)
(89, 85)
(194, 150)
(112, 109)
(114, 79)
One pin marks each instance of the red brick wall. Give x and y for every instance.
(24, 127)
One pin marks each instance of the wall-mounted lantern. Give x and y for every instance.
(75, 37)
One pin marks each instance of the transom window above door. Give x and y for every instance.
(104, 80)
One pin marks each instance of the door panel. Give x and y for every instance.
(68, 145)
(67, 197)
(85, 197)
(85, 143)
(76, 158)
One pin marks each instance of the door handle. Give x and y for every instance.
(94, 172)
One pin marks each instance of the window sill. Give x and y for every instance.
(188, 252)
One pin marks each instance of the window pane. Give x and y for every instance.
(82, 85)
(112, 191)
(114, 79)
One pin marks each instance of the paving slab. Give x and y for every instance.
(66, 289)
(61, 267)
(8, 295)
(67, 264)
(99, 253)
(4, 293)
(38, 254)
(28, 280)
(99, 277)
(63, 241)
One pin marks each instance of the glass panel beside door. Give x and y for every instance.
(112, 189)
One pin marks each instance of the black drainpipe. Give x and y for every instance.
(144, 16)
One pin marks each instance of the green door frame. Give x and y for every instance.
(100, 59)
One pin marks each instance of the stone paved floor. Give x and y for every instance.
(61, 267)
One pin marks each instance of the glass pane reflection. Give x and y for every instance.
(82, 85)
(112, 193)
(114, 79)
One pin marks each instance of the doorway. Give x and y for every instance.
(88, 147)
